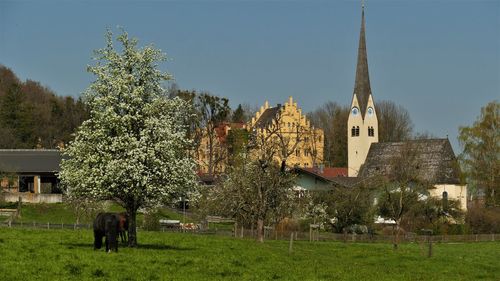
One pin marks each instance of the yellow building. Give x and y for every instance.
(284, 133)
(213, 151)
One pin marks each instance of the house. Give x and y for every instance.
(435, 163)
(322, 178)
(30, 174)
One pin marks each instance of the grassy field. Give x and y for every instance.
(27, 254)
(62, 213)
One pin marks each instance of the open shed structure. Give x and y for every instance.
(30, 174)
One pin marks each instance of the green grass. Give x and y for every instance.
(62, 213)
(27, 254)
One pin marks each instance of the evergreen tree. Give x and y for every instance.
(238, 115)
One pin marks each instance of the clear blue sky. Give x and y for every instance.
(438, 59)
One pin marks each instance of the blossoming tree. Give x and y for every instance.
(133, 149)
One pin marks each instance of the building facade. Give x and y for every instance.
(288, 135)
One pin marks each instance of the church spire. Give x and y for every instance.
(362, 88)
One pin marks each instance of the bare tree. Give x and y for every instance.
(401, 188)
(332, 119)
(394, 122)
(278, 139)
(258, 192)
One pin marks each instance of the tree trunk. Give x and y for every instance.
(260, 230)
(132, 229)
(396, 236)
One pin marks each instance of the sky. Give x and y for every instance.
(439, 59)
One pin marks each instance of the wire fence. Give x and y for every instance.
(271, 234)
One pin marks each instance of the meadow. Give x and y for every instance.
(41, 254)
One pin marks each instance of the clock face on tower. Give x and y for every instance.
(355, 111)
(370, 111)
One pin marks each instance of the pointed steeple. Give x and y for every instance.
(362, 88)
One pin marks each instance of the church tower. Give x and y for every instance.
(362, 124)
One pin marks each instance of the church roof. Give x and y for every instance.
(362, 89)
(267, 117)
(436, 161)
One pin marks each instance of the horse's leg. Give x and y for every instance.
(97, 240)
(107, 243)
(115, 243)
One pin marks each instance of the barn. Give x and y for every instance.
(30, 174)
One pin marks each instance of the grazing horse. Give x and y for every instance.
(106, 225)
(123, 226)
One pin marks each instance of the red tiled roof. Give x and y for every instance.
(328, 172)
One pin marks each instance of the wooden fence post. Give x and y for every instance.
(429, 254)
(290, 247)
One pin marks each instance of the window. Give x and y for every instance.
(353, 131)
(357, 131)
(371, 132)
(445, 200)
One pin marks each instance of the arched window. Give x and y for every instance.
(353, 131)
(357, 131)
(445, 200)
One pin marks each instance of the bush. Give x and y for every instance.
(483, 220)
(151, 220)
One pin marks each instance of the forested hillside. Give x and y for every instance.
(33, 116)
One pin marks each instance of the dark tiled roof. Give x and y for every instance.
(30, 161)
(362, 89)
(339, 180)
(435, 160)
(267, 117)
